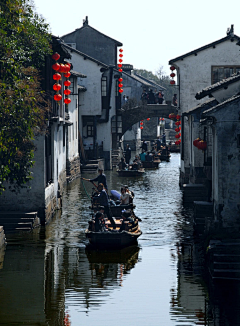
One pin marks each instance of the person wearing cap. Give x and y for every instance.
(101, 178)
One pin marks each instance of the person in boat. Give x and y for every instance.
(128, 154)
(164, 139)
(125, 197)
(103, 201)
(136, 163)
(122, 165)
(144, 146)
(159, 144)
(142, 156)
(131, 193)
(100, 225)
(149, 157)
(126, 217)
(101, 178)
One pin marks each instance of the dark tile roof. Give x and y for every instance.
(202, 106)
(221, 105)
(213, 44)
(221, 84)
(81, 88)
(71, 49)
(88, 26)
(77, 74)
(152, 83)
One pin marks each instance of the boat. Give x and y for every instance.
(164, 155)
(130, 172)
(151, 164)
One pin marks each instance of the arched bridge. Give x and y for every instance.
(130, 116)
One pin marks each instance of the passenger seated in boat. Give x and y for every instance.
(131, 193)
(122, 165)
(149, 157)
(125, 217)
(125, 197)
(136, 163)
(100, 225)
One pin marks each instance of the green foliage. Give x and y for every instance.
(161, 79)
(24, 44)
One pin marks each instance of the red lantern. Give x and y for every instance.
(148, 119)
(67, 91)
(141, 127)
(57, 87)
(61, 68)
(55, 56)
(120, 85)
(56, 66)
(56, 76)
(177, 136)
(120, 90)
(162, 119)
(67, 83)
(57, 97)
(67, 75)
(172, 68)
(177, 123)
(67, 100)
(172, 82)
(172, 116)
(119, 65)
(202, 145)
(120, 55)
(120, 80)
(141, 123)
(120, 50)
(177, 129)
(67, 67)
(120, 70)
(120, 60)
(196, 141)
(172, 75)
(178, 117)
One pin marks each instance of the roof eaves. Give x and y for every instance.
(219, 106)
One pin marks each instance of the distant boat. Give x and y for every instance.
(131, 172)
(151, 164)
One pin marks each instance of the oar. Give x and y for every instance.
(89, 181)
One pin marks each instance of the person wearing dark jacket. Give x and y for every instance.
(128, 154)
(101, 178)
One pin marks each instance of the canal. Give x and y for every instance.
(49, 277)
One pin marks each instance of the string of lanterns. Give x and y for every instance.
(172, 75)
(57, 76)
(120, 60)
(141, 123)
(173, 116)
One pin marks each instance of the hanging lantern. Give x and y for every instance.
(67, 83)
(56, 66)
(67, 91)
(67, 67)
(120, 50)
(172, 82)
(162, 119)
(177, 129)
(55, 56)
(148, 119)
(196, 141)
(172, 68)
(141, 123)
(120, 60)
(177, 123)
(61, 68)
(120, 85)
(57, 97)
(120, 55)
(56, 76)
(172, 75)
(57, 87)
(119, 65)
(120, 70)
(202, 144)
(177, 136)
(141, 127)
(67, 75)
(120, 80)
(178, 117)
(172, 116)
(67, 100)
(120, 90)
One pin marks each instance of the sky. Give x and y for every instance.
(152, 32)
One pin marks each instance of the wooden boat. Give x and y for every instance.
(113, 238)
(151, 164)
(131, 172)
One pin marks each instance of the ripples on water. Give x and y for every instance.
(50, 277)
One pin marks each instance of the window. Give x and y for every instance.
(104, 86)
(71, 87)
(221, 72)
(90, 131)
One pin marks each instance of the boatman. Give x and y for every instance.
(103, 201)
(101, 178)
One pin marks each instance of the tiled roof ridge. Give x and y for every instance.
(218, 106)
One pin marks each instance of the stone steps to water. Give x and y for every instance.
(13, 221)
